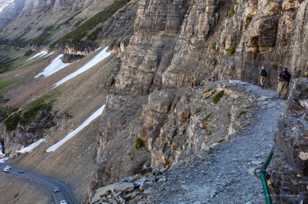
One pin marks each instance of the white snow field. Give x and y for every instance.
(5, 3)
(103, 54)
(2, 155)
(72, 134)
(39, 55)
(49, 54)
(31, 147)
(56, 65)
(4, 159)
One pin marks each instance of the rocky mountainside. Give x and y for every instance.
(181, 43)
(218, 171)
(9, 9)
(40, 20)
(176, 81)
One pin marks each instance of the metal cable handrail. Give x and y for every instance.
(262, 174)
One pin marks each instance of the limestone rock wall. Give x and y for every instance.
(182, 43)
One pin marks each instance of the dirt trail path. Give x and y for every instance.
(225, 174)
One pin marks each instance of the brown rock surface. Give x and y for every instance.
(181, 43)
(157, 131)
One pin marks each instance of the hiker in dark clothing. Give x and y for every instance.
(283, 83)
(263, 77)
(2, 149)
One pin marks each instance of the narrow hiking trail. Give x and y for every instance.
(225, 174)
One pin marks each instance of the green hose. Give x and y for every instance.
(262, 176)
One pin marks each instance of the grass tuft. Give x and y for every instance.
(217, 97)
(231, 51)
(139, 143)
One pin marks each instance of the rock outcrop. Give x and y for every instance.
(289, 170)
(28, 124)
(141, 133)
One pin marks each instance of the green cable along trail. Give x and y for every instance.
(262, 176)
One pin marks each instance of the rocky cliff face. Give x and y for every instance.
(174, 48)
(141, 133)
(289, 171)
(181, 43)
(29, 123)
(161, 109)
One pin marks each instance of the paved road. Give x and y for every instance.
(46, 183)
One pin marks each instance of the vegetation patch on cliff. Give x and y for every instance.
(217, 97)
(139, 143)
(43, 38)
(82, 32)
(4, 84)
(28, 114)
(231, 51)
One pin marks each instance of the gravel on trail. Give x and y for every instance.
(225, 174)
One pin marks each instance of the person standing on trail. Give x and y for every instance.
(263, 77)
(283, 83)
(2, 150)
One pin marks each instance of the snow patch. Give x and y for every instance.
(48, 55)
(5, 3)
(3, 160)
(56, 65)
(96, 60)
(72, 134)
(39, 55)
(31, 147)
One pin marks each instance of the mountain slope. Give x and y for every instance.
(46, 21)
(165, 84)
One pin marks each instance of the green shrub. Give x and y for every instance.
(231, 12)
(139, 143)
(231, 51)
(30, 112)
(217, 97)
(4, 84)
(12, 121)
